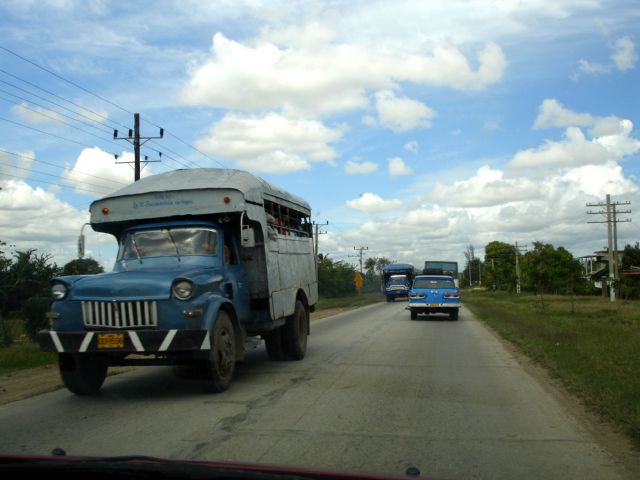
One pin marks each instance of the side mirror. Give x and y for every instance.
(248, 238)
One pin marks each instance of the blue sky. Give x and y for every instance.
(414, 128)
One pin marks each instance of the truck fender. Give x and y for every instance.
(211, 314)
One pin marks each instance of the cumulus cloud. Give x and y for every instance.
(271, 143)
(31, 217)
(305, 69)
(486, 188)
(355, 168)
(401, 114)
(575, 150)
(372, 203)
(553, 114)
(96, 172)
(397, 167)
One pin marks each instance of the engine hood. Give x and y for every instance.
(138, 285)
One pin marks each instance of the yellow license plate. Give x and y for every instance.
(434, 305)
(110, 340)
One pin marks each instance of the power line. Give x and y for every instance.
(64, 79)
(97, 114)
(46, 133)
(58, 166)
(58, 120)
(51, 183)
(50, 101)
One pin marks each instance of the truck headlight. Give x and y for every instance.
(58, 291)
(182, 289)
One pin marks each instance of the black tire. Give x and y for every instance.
(294, 333)
(454, 315)
(82, 374)
(273, 343)
(220, 362)
(414, 315)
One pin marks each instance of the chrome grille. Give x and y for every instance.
(120, 314)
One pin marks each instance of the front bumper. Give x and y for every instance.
(124, 341)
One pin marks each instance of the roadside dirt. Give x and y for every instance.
(30, 382)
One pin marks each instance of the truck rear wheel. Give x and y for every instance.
(82, 374)
(414, 315)
(454, 314)
(220, 363)
(294, 333)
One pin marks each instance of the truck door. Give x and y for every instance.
(236, 288)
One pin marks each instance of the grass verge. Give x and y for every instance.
(22, 355)
(592, 345)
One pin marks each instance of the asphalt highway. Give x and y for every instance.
(376, 392)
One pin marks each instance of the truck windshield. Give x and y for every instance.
(168, 242)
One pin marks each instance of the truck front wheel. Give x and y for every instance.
(82, 374)
(220, 363)
(294, 333)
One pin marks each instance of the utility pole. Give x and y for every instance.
(317, 232)
(137, 141)
(518, 247)
(612, 238)
(361, 249)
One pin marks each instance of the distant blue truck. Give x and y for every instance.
(396, 280)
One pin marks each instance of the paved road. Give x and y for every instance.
(377, 392)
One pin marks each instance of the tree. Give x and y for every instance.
(630, 284)
(500, 266)
(546, 269)
(335, 279)
(472, 268)
(82, 266)
(24, 277)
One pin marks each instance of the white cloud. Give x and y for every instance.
(411, 146)
(623, 58)
(575, 150)
(488, 187)
(35, 218)
(305, 69)
(16, 165)
(593, 68)
(96, 171)
(552, 114)
(401, 114)
(35, 114)
(624, 54)
(271, 143)
(372, 203)
(355, 168)
(397, 167)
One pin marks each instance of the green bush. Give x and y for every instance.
(34, 311)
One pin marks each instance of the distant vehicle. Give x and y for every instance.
(434, 294)
(207, 258)
(396, 280)
(440, 267)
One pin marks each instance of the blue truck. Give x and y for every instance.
(396, 280)
(207, 259)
